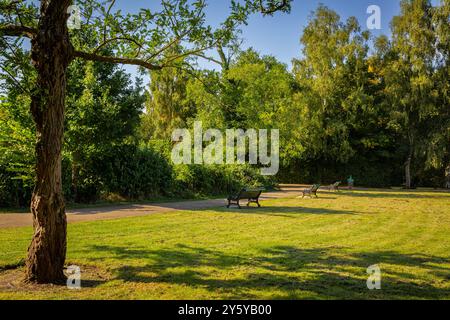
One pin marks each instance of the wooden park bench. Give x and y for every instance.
(249, 194)
(311, 191)
(334, 186)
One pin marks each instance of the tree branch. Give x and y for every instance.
(129, 61)
(17, 31)
(14, 79)
(106, 19)
(106, 42)
(209, 59)
(225, 63)
(10, 6)
(284, 4)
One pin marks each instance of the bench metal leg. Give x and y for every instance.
(253, 201)
(237, 202)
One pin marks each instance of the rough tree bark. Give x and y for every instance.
(447, 176)
(408, 172)
(51, 54)
(408, 183)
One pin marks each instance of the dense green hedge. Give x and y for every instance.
(126, 170)
(217, 179)
(13, 192)
(131, 172)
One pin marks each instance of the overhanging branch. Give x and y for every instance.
(211, 59)
(17, 31)
(108, 41)
(271, 9)
(129, 61)
(10, 6)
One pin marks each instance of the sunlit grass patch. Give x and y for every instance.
(288, 249)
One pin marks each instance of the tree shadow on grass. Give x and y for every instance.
(305, 210)
(399, 195)
(293, 212)
(87, 283)
(279, 211)
(283, 272)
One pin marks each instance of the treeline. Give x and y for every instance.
(373, 108)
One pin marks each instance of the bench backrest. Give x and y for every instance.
(250, 193)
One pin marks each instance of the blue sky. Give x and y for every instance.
(279, 35)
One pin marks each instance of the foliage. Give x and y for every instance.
(410, 88)
(336, 99)
(375, 111)
(16, 150)
(103, 112)
(167, 106)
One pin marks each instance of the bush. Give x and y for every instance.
(217, 179)
(131, 172)
(138, 172)
(189, 180)
(13, 191)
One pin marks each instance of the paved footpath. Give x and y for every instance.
(10, 220)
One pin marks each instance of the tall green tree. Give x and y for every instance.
(438, 133)
(17, 130)
(410, 88)
(336, 100)
(102, 111)
(16, 150)
(167, 105)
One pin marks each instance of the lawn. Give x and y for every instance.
(289, 249)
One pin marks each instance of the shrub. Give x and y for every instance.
(137, 172)
(13, 191)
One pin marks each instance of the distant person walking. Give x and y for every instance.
(350, 182)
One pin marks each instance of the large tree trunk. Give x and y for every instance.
(447, 177)
(408, 179)
(51, 54)
(408, 172)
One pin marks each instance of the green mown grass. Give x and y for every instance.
(289, 249)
